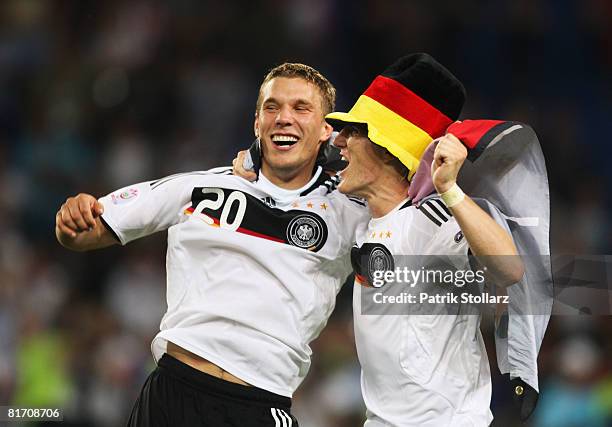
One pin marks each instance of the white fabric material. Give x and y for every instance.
(421, 369)
(248, 304)
(511, 174)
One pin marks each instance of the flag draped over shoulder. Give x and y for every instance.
(507, 168)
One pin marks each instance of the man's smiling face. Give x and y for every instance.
(291, 126)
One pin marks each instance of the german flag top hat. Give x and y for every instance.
(411, 103)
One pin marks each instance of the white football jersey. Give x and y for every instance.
(253, 270)
(425, 370)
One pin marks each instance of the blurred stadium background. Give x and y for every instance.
(95, 95)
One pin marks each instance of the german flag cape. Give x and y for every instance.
(507, 168)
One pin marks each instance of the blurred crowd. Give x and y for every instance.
(97, 95)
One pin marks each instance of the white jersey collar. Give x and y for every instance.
(281, 195)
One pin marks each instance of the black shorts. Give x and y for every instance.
(177, 395)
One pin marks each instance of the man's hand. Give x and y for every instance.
(238, 167)
(448, 158)
(77, 214)
(78, 225)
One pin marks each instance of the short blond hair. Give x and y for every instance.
(305, 72)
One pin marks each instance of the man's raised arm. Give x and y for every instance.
(488, 241)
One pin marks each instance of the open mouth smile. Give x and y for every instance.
(284, 142)
(345, 157)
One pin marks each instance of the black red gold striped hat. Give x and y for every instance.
(411, 103)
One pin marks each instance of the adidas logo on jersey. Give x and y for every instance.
(269, 201)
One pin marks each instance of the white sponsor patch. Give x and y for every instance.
(124, 196)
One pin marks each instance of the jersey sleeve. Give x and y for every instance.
(145, 208)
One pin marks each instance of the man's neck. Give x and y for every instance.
(385, 195)
(381, 205)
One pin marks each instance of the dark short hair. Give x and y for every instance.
(301, 71)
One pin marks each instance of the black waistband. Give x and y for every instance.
(209, 384)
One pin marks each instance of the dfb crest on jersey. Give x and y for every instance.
(307, 231)
(379, 259)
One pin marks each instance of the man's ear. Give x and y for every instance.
(256, 126)
(326, 132)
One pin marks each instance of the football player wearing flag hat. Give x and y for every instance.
(424, 365)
